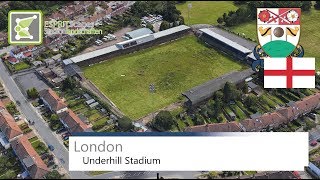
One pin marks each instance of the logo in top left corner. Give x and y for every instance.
(25, 27)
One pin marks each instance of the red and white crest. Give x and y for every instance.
(278, 30)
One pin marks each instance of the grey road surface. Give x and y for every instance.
(42, 128)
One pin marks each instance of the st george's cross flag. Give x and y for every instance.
(290, 72)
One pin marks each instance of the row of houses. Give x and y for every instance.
(67, 117)
(11, 135)
(265, 122)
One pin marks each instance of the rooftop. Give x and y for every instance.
(52, 99)
(25, 152)
(138, 32)
(171, 31)
(226, 40)
(7, 124)
(74, 123)
(206, 90)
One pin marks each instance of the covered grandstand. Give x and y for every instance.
(118, 49)
(229, 43)
(204, 91)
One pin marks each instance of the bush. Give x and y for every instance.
(33, 93)
(125, 123)
(163, 121)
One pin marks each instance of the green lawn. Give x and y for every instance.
(240, 114)
(21, 66)
(309, 37)
(205, 12)
(173, 67)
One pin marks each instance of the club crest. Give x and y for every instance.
(278, 30)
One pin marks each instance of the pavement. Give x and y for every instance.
(40, 125)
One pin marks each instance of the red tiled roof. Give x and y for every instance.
(25, 151)
(251, 125)
(12, 59)
(53, 99)
(73, 121)
(27, 54)
(2, 105)
(7, 124)
(218, 127)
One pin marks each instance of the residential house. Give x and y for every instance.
(46, 72)
(71, 121)
(9, 128)
(265, 122)
(217, 127)
(29, 158)
(52, 101)
(13, 60)
(49, 62)
(57, 57)
(57, 16)
(27, 54)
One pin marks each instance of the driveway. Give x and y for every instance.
(30, 80)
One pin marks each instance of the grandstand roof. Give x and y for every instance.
(134, 39)
(206, 90)
(93, 54)
(171, 31)
(226, 40)
(113, 48)
(138, 33)
(235, 38)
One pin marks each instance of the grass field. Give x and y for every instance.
(21, 66)
(205, 12)
(173, 68)
(309, 37)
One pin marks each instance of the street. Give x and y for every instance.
(60, 151)
(41, 127)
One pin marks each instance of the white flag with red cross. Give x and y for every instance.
(290, 72)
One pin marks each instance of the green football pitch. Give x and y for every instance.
(173, 68)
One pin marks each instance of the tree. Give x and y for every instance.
(91, 9)
(228, 92)
(218, 95)
(125, 124)
(251, 100)
(54, 175)
(306, 5)
(220, 20)
(245, 88)
(33, 93)
(54, 119)
(164, 25)
(150, 26)
(163, 121)
(217, 108)
(317, 5)
(68, 83)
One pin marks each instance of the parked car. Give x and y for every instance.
(65, 134)
(313, 143)
(318, 140)
(66, 138)
(61, 130)
(51, 148)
